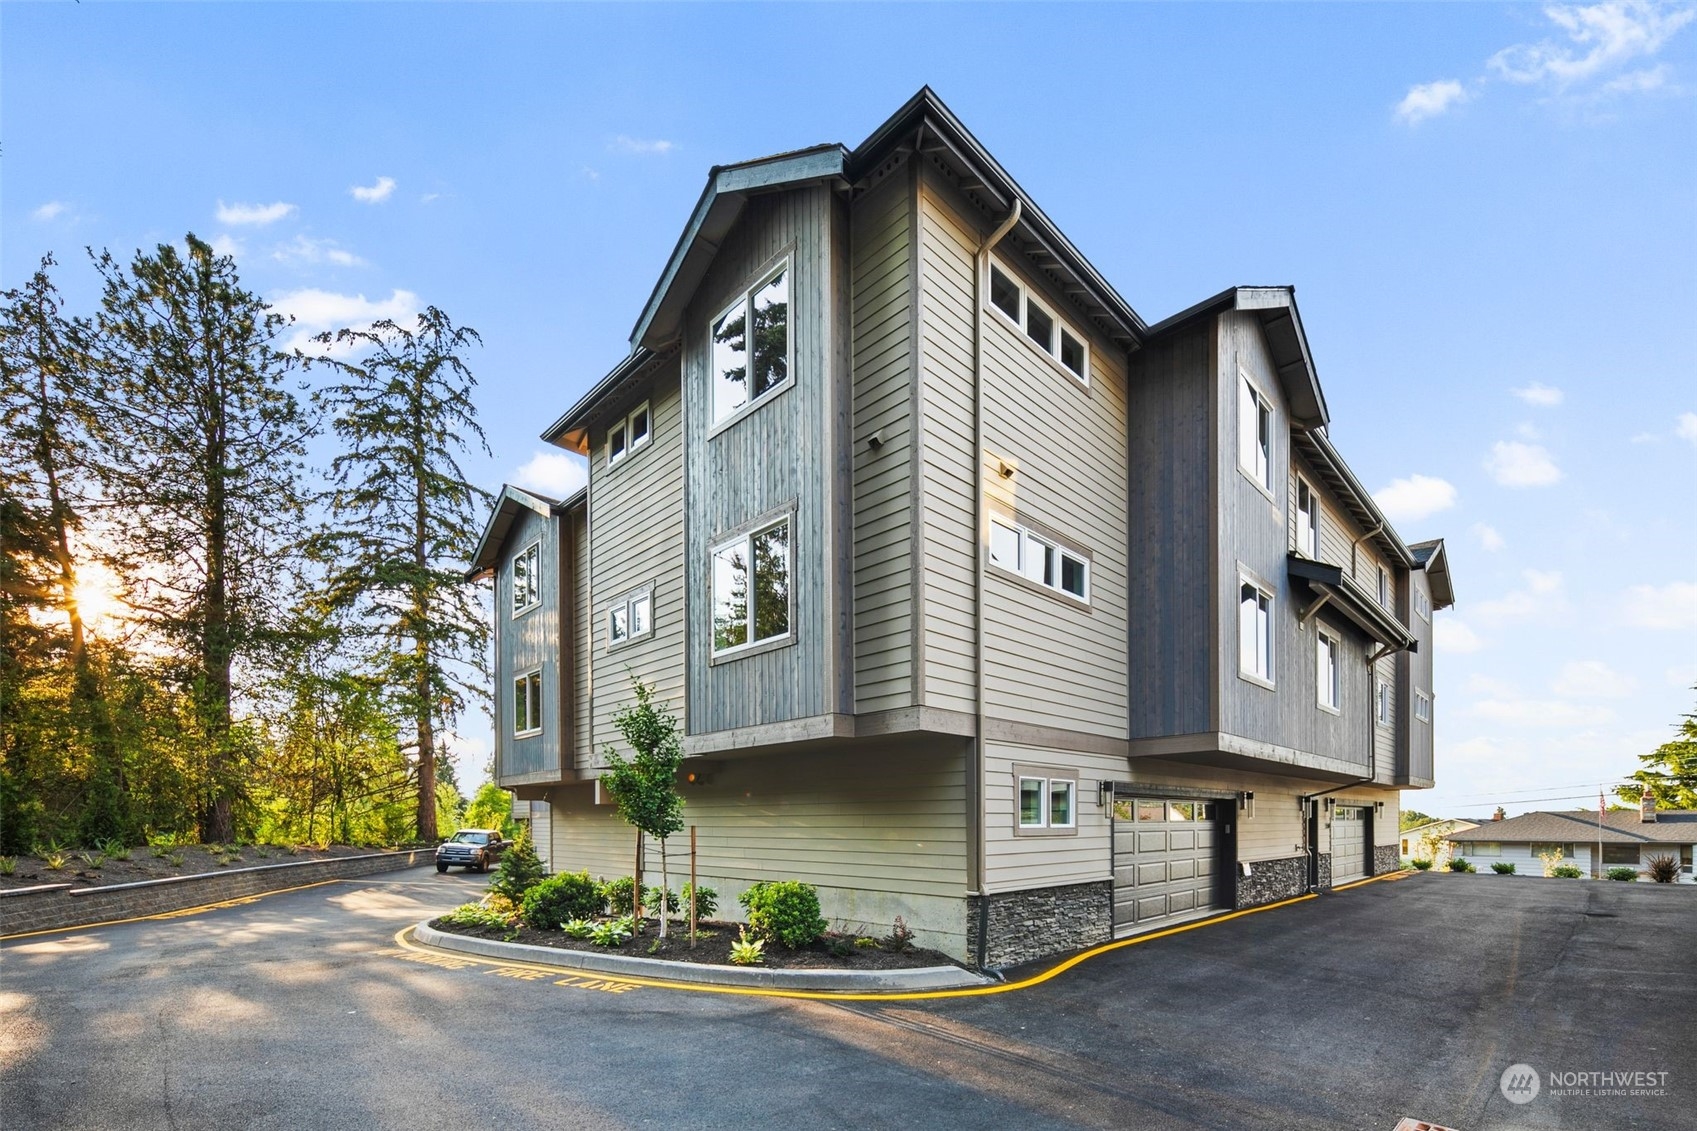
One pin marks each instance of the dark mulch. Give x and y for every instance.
(713, 945)
(186, 860)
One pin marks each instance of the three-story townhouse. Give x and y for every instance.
(982, 602)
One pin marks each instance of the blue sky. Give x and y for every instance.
(1488, 212)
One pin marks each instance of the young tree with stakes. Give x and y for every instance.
(645, 788)
(200, 460)
(402, 516)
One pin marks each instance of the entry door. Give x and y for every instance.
(1349, 843)
(1164, 858)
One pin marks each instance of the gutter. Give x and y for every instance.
(975, 768)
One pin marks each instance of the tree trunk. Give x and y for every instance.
(427, 830)
(665, 889)
(218, 821)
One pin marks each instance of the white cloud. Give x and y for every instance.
(1540, 394)
(52, 210)
(315, 311)
(1600, 37)
(1428, 100)
(1667, 606)
(1542, 712)
(226, 244)
(1686, 428)
(555, 474)
(1407, 500)
(305, 249)
(373, 194)
(1592, 679)
(1640, 82)
(1488, 536)
(1451, 635)
(1541, 594)
(624, 144)
(254, 213)
(1516, 464)
(1542, 581)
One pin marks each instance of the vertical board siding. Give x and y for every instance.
(883, 487)
(1414, 673)
(638, 516)
(583, 669)
(524, 643)
(948, 466)
(777, 456)
(1172, 688)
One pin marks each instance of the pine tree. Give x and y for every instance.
(403, 519)
(200, 446)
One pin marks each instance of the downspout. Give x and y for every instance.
(1355, 543)
(975, 764)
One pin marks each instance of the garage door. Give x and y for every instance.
(1164, 859)
(1349, 843)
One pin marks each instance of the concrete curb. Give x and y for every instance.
(867, 981)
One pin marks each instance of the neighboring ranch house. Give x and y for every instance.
(983, 602)
(1428, 841)
(1628, 839)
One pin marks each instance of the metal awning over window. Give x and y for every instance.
(1332, 589)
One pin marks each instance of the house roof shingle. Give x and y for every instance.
(1621, 826)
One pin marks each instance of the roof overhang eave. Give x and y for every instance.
(1345, 597)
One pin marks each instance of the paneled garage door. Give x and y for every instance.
(1349, 843)
(1164, 859)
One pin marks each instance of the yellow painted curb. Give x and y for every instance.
(1402, 875)
(402, 941)
(178, 913)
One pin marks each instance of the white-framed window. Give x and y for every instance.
(629, 435)
(1381, 702)
(1039, 559)
(1047, 330)
(1307, 520)
(1254, 631)
(527, 580)
(751, 588)
(1046, 800)
(1254, 433)
(630, 617)
(1423, 706)
(1422, 604)
(1485, 848)
(527, 704)
(1384, 587)
(1329, 670)
(750, 345)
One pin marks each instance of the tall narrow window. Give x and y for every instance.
(1254, 434)
(1382, 703)
(527, 586)
(1039, 326)
(751, 346)
(1423, 706)
(1384, 588)
(1328, 676)
(527, 704)
(1004, 293)
(1255, 631)
(751, 588)
(1307, 521)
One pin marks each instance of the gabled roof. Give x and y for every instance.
(1620, 826)
(1430, 557)
(571, 430)
(509, 504)
(1286, 341)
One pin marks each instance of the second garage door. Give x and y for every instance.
(1164, 859)
(1349, 843)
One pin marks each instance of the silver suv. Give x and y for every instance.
(475, 849)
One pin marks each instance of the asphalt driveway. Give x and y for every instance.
(1399, 998)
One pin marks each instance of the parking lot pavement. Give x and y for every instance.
(1402, 998)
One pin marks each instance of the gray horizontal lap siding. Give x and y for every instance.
(778, 455)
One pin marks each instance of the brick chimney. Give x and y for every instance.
(1499, 814)
(1647, 807)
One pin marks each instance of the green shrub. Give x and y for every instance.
(115, 849)
(612, 933)
(784, 910)
(1624, 874)
(578, 928)
(8, 865)
(746, 951)
(1503, 867)
(477, 915)
(1567, 871)
(557, 899)
(619, 896)
(519, 871)
(1460, 864)
(1664, 869)
(1422, 865)
(706, 901)
(900, 938)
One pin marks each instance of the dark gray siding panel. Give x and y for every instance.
(781, 456)
(525, 643)
(1171, 564)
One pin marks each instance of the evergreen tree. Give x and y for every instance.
(1669, 773)
(520, 868)
(200, 467)
(403, 518)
